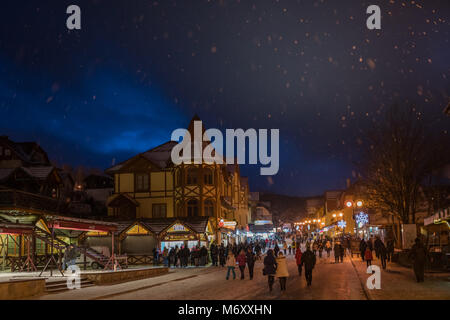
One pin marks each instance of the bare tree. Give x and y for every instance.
(401, 153)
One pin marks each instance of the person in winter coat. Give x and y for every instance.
(298, 259)
(377, 244)
(368, 256)
(328, 248)
(419, 255)
(270, 267)
(390, 249)
(222, 255)
(285, 247)
(362, 248)
(250, 262)
(171, 256)
(203, 255)
(214, 254)
(242, 260)
(282, 272)
(337, 252)
(309, 261)
(382, 252)
(276, 249)
(341, 252)
(231, 264)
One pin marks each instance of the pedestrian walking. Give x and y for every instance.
(282, 272)
(362, 248)
(368, 256)
(309, 262)
(276, 249)
(390, 249)
(328, 248)
(337, 252)
(419, 255)
(377, 245)
(242, 260)
(222, 257)
(250, 262)
(231, 265)
(285, 248)
(298, 260)
(382, 252)
(341, 252)
(270, 267)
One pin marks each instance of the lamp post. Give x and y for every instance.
(353, 205)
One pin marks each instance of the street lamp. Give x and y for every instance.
(359, 203)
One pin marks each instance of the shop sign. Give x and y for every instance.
(262, 222)
(179, 237)
(178, 227)
(227, 224)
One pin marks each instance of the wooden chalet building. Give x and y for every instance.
(195, 203)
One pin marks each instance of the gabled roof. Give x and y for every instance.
(38, 172)
(159, 156)
(26, 151)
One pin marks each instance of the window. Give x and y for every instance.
(208, 177)
(141, 182)
(179, 177)
(7, 152)
(192, 208)
(159, 210)
(192, 174)
(209, 208)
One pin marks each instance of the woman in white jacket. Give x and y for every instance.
(231, 264)
(282, 270)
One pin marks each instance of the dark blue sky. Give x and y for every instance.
(139, 69)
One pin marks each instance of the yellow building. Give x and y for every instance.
(151, 186)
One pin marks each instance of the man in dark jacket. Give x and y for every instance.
(382, 252)
(389, 249)
(377, 244)
(222, 255)
(250, 262)
(214, 253)
(418, 254)
(337, 252)
(203, 255)
(270, 268)
(309, 261)
(362, 248)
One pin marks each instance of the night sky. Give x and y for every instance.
(137, 70)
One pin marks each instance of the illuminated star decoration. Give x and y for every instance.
(362, 218)
(342, 224)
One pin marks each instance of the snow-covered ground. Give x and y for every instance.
(330, 281)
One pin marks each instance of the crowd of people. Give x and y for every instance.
(243, 256)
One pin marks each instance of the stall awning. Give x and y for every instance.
(6, 228)
(80, 224)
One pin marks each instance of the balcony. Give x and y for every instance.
(20, 200)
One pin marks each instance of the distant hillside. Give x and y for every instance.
(285, 208)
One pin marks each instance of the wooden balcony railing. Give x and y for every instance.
(11, 198)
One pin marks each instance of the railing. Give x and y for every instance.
(26, 200)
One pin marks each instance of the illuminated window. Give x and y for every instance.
(142, 182)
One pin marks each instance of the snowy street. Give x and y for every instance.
(330, 281)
